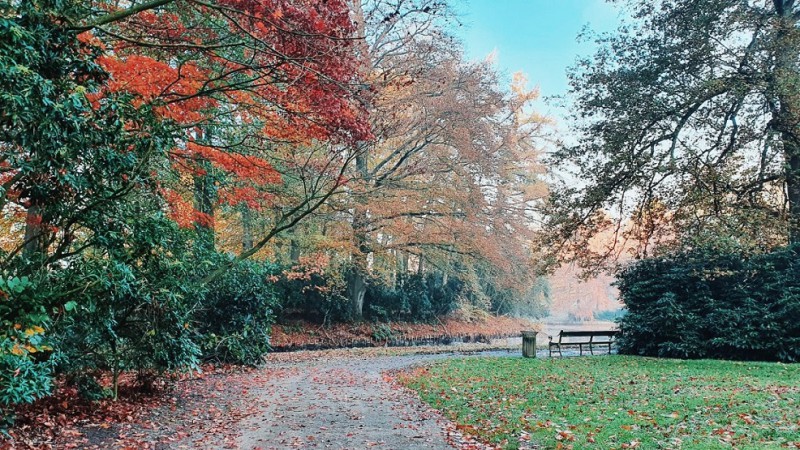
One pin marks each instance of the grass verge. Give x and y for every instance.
(616, 402)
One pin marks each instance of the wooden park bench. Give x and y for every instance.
(581, 338)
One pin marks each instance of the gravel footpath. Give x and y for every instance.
(344, 403)
(332, 399)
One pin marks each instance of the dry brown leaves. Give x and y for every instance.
(305, 335)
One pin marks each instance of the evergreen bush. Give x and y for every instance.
(713, 303)
(237, 313)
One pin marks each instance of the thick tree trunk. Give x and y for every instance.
(357, 275)
(793, 187)
(787, 119)
(356, 289)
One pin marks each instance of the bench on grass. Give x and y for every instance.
(581, 338)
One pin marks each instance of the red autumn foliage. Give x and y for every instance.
(285, 69)
(292, 64)
(245, 167)
(150, 80)
(251, 197)
(181, 211)
(307, 266)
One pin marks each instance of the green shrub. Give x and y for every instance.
(26, 353)
(417, 298)
(382, 332)
(318, 297)
(709, 303)
(237, 313)
(382, 303)
(443, 294)
(132, 305)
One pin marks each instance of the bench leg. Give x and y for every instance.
(580, 349)
(559, 351)
(591, 350)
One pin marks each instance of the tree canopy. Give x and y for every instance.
(177, 175)
(686, 125)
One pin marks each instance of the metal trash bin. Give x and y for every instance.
(529, 344)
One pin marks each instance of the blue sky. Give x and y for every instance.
(537, 37)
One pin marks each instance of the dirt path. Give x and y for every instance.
(343, 403)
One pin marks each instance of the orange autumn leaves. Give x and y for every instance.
(305, 334)
(176, 95)
(251, 174)
(173, 90)
(282, 70)
(28, 340)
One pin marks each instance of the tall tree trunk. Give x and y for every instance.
(247, 228)
(294, 250)
(398, 268)
(787, 119)
(357, 274)
(792, 151)
(204, 197)
(356, 289)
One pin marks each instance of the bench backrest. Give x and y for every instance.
(578, 337)
(588, 333)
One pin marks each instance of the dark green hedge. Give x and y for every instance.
(419, 298)
(713, 304)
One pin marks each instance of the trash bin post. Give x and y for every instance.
(529, 344)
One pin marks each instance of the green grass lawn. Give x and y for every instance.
(616, 402)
